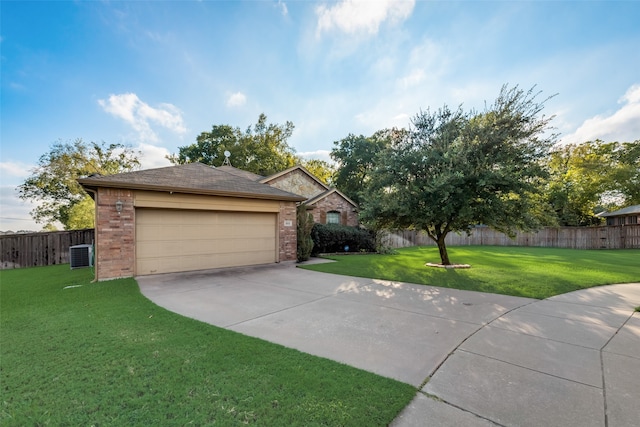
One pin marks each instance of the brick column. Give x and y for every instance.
(115, 234)
(288, 234)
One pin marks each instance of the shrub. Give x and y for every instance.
(381, 247)
(341, 238)
(304, 226)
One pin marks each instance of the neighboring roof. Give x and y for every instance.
(286, 171)
(630, 210)
(193, 178)
(327, 193)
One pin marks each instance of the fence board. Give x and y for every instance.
(605, 237)
(40, 249)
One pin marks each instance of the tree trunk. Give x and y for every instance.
(442, 248)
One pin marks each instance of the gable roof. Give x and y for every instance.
(193, 178)
(304, 170)
(630, 210)
(327, 193)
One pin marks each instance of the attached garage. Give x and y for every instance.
(189, 217)
(172, 240)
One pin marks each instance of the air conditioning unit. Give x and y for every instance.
(81, 256)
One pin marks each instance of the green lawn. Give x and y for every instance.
(102, 354)
(528, 272)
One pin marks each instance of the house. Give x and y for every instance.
(189, 217)
(327, 205)
(626, 216)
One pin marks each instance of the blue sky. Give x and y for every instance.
(154, 74)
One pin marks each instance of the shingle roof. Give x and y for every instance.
(192, 178)
(635, 209)
(239, 172)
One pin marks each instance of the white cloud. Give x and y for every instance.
(141, 115)
(361, 17)
(403, 118)
(414, 78)
(153, 156)
(283, 8)
(384, 116)
(14, 212)
(237, 99)
(427, 61)
(318, 154)
(622, 125)
(15, 169)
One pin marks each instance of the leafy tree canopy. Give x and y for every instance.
(320, 169)
(356, 157)
(455, 169)
(591, 177)
(53, 182)
(261, 149)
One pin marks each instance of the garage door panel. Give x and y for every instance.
(181, 240)
(148, 232)
(148, 265)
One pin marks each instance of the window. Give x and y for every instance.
(333, 217)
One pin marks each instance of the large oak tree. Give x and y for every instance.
(53, 182)
(455, 170)
(262, 149)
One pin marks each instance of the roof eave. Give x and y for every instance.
(269, 178)
(93, 184)
(327, 193)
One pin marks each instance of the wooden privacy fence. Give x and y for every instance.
(38, 249)
(606, 237)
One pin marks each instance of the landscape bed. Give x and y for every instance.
(81, 353)
(510, 270)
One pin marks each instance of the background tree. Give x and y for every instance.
(455, 170)
(262, 149)
(209, 146)
(53, 186)
(356, 157)
(320, 169)
(626, 174)
(592, 177)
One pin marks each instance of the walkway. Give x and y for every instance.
(478, 359)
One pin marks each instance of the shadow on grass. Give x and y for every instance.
(517, 271)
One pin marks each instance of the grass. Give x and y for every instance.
(519, 271)
(102, 354)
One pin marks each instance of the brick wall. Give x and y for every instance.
(115, 234)
(334, 202)
(288, 240)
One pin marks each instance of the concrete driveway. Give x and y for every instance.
(489, 359)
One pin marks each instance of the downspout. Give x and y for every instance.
(94, 196)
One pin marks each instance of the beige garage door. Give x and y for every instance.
(171, 240)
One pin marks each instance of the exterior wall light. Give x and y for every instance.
(119, 205)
